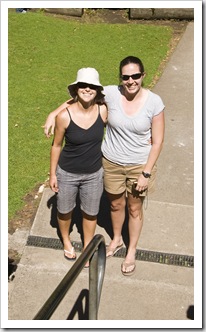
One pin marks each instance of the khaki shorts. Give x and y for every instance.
(119, 178)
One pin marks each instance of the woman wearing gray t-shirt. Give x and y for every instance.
(132, 145)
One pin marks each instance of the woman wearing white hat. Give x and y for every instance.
(77, 168)
(135, 119)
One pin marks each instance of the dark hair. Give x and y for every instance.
(131, 59)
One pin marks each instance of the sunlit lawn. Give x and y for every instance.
(44, 55)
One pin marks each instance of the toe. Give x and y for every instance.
(70, 253)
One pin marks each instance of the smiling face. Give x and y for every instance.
(86, 92)
(132, 78)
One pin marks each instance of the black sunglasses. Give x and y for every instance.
(134, 76)
(86, 85)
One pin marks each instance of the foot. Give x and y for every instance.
(70, 255)
(128, 268)
(86, 265)
(112, 249)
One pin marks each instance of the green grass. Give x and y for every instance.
(44, 55)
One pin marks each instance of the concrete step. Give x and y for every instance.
(156, 291)
(168, 227)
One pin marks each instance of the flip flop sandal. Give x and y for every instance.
(113, 251)
(126, 266)
(70, 253)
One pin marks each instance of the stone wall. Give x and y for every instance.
(137, 13)
(65, 11)
(162, 13)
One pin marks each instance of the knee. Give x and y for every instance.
(65, 216)
(89, 217)
(134, 212)
(117, 205)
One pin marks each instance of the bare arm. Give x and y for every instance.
(50, 121)
(62, 122)
(104, 113)
(157, 141)
(158, 126)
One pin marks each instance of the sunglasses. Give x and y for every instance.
(87, 85)
(134, 76)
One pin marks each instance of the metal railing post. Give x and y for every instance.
(96, 276)
(93, 291)
(96, 253)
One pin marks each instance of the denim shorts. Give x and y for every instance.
(89, 186)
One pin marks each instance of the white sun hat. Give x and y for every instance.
(86, 75)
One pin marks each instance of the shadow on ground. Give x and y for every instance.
(103, 218)
(81, 306)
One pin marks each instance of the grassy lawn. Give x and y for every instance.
(44, 55)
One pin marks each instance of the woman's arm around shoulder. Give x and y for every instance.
(104, 113)
(50, 121)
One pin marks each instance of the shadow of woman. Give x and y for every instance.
(103, 218)
(76, 216)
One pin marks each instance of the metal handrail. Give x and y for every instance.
(95, 252)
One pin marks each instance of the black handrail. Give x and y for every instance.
(95, 252)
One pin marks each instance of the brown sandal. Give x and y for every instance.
(113, 251)
(126, 266)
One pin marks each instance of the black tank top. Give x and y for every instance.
(82, 150)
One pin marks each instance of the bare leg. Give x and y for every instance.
(64, 221)
(117, 203)
(135, 227)
(89, 226)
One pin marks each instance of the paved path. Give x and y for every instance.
(156, 292)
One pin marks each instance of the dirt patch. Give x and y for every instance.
(24, 218)
(112, 16)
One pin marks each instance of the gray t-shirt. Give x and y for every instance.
(127, 138)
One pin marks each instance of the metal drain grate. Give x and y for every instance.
(141, 255)
(45, 242)
(160, 257)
